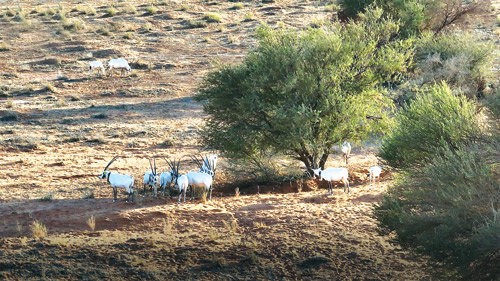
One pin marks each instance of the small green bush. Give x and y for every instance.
(196, 24)
(237, 6)
(437, 118)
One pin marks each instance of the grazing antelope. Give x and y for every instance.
(346, 150)
(118, 181)
(151, 178)
(333, 174)
(98, 66)
(120, 64)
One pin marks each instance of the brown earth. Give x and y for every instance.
(59, 128)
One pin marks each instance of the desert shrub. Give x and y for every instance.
(493, 103)
(436, 118)
(249, 17)
(91, 222)
(449, 209)
(49, 196)
(415, 15)
(301, 92)
(212, 17)
(73, 24)
(461, 60)
(238, 6)
(129, 9)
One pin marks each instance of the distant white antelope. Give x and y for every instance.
(180, 181)
(98, 66)
(118, 181)
(333, 174)
(151, 178)
(375, 172)
(346, 150)
(120, 64)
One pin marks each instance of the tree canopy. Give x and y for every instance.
(301, 92)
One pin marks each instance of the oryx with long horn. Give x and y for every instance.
(151, 178)
(118, 181)
(201, 178)
(180, 181)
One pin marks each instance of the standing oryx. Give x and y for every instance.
(166, 178)
(118, 181)
(204, 178)
(331, 175)
(346, 150)
(180, 181)
(151, 178)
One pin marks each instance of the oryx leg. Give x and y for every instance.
(114, 193)
(210, 193)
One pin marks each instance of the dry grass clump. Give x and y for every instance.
(237, 6)
(129, 9)
(212, 17)
(110, 12)
(4, 47)
(91, 222)
(73, 24)
(38, 230)
(237, 192)
(196, 24)
(249, 17)
(84, 10)
(49, 196)
(217, 260)
(50, 88)
(44, 11)
(151, 10)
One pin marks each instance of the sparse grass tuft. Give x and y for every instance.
(38, 230)
(49, 196)
(87, 193)
(50, 88)
(249, 17)
(151, 10)
(104, 31)
(196, 24)
(129, 9)
(332, 8)
(91, 222)
(218, 260)
(237, 6)
(84, 10)
(128, 35)
(110, 12)
(73, 24)
(9, 104)
(212, 17)
(237, 192)
(184, 8)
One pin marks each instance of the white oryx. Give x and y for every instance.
(375, 172)
(166, 178)
(180, 181)
(346, 150)
(120, 64)
(151, 178)
(333, 174)
(98, 66)
(118, 181)
(202, 178)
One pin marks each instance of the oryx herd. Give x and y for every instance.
(204, 177)
(169, 179)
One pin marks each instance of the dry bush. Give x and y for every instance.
(49, 196)
(151, 10)
(73, 24)
(129, 9)
(38, 230)
(91, 222)
(212, 17)
(237, 192)
(110, 12)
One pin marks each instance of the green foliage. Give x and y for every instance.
(212, 17)
(434, 119)
(301, 92)
(493, 103)
(449, 209)
(461, 60)
(414, 15)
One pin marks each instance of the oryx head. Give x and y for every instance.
(105, 172)
(174, 170)
(153, 177)
(317, 172)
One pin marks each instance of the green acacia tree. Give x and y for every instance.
(301, 92)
